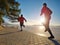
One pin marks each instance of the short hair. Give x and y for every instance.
(21, 14)
(45, 4)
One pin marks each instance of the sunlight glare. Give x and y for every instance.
(41, 27)
(41, 34)
(42, 19)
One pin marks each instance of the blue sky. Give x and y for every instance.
(31, 10)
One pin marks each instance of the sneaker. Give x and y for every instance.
(51, 37)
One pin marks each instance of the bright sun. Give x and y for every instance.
(41, 22)
(42, 19)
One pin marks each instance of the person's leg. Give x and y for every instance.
(46, 24)
(50, 33)
(48, 29)
(21, 26)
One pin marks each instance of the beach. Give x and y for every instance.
(13, 34)
(39, 30)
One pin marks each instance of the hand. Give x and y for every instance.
(25, 20)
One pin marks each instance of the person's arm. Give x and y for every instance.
(25, 20)
(42, 10)
(50, 11)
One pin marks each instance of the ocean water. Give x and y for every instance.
(39, 30)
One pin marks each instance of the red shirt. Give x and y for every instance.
(21, 19)
(46, 11)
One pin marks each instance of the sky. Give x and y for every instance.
(31, 10)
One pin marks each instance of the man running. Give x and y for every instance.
(21, 20)
(47, 13)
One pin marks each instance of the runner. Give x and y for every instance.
(21, 20)
(47, 13)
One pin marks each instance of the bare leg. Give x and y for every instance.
(48, 29)
(50, 32)
(21, 28)
(21, 24)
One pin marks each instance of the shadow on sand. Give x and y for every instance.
(55, 41)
